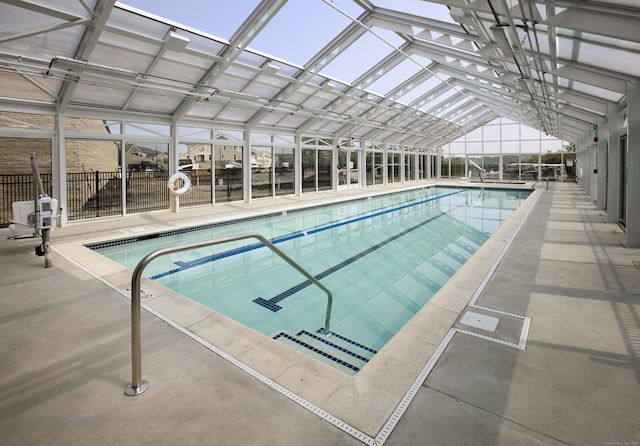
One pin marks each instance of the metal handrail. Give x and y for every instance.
(138, 386)
(541, 179)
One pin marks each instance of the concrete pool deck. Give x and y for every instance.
(66, 349)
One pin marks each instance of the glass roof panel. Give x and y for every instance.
(301, 29)
(435, 81)
(438, 99)
(417, 91)
(404, 70)
(20, 88)
(15, 19)
(362, 55)
(137, 61)
(613, 59)
(418, 7)
(610, 41)
(147, 101)
(62, 42)
(205, 110)
(74, 7)
(217, 17)
(48, 45)
(632, 3)
(597, 92)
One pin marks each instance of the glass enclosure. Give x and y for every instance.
(504, 150)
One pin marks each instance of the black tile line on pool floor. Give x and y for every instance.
(208, 259)
(272, 304)
(326, 341)
(347, 340)
(317, 350)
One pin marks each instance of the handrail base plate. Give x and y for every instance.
(133, 391)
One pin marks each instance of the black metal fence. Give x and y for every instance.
(19, 187)
(93, 194)
(99, 194)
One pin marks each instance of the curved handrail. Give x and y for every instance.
(138, 386)
(541, 179)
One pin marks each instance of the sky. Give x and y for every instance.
(299, 30)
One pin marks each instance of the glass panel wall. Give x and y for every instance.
(325, 169)
(16, 172)
(284, 162)
(317, 167)
(228, 172)
(374, 164)
(94, 178)
(348, 167)
(354, 167)
(423, 166)
(309, 170)
(507, 151)
(474, 167)
(146, 177)
(343, 167)
(393, 164)
(195, 162)
(261, 172)
(409, 165)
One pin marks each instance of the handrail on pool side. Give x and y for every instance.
(138, 386)
(539, 180)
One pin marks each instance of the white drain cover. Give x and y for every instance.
(481, 321)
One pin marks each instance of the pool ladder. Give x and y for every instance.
(138, 386)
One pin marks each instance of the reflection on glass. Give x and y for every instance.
(195, 161)
(94, 178)
(146, 176)
(227, 176)
(261, 172)
(325, 171)
(309, 178)
(284, 170)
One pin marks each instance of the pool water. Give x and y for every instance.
(382, 257)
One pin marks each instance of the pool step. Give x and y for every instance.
(337, 349)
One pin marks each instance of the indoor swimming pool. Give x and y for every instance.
(382, 257)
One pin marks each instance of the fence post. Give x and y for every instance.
(97, 189)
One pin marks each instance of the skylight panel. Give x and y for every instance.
(301, 29)
(597, 92)
(363, 54)
(414, 94)
(15, 20)
(395, 76)
(438, 100)
(219, 18)
(418, 7)
(614, 59)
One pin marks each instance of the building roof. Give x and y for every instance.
(384, 72)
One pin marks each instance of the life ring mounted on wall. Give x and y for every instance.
(173, 186)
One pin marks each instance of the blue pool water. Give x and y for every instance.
(382, 257)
